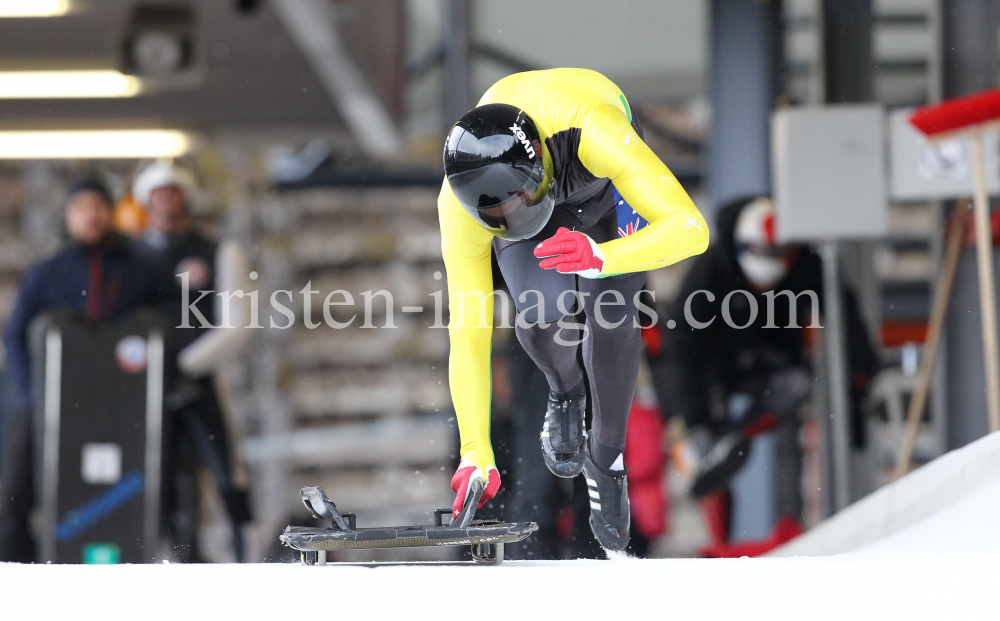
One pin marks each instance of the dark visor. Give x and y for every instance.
(510, 215)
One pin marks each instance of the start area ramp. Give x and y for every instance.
(948, 506)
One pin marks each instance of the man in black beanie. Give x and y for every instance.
(98, 276)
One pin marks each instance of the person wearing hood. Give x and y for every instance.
(99, 276)
(746, 371)
(197, 264)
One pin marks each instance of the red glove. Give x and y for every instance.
(571, 252)
(460, 483)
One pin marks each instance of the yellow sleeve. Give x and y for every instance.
(466, 248)
(609, 147)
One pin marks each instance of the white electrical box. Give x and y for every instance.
(829, 172)
(923, 170)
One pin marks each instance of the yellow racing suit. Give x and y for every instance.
(585, 124)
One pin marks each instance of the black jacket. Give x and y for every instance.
(702, 366)
(121, 280)
(193, 253)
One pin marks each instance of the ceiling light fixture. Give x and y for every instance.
(34, 8)
(93, 144)
(67, 84)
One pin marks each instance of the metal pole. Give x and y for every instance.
(836, 359)
(154, 447)
(457, 69)
(50, 444)
(848, 78)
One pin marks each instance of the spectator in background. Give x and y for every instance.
(730, 384)
(99, 276)
(198, 263)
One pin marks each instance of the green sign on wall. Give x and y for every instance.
(101, 554)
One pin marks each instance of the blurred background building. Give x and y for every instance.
(315, 128)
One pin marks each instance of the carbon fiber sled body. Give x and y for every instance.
(486, 537)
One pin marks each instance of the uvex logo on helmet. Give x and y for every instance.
(524, 140)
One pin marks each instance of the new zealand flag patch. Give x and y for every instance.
(628, 220)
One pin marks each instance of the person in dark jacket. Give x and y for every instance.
(189, 259)
(100, 277)
(738, 375)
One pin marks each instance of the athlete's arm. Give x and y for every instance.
(610, 147)
(466, 248)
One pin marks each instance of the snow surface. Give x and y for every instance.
(944, 567)
(870, 585)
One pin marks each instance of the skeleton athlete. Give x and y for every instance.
(539, 174)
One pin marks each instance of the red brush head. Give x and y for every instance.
(957, 114)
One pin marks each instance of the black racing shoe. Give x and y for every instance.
(563, 434)
(609, 511)
(721, 462)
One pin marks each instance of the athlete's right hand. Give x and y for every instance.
(571, 252)
(460, 482)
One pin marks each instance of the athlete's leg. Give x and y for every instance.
(610, 352)
(543, 298)
(611, 356)
(536, 296)
(558, 362)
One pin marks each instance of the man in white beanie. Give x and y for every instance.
(196, 263)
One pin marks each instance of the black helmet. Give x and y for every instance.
(493, 159)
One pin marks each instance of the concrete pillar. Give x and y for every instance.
(847, 50)
(744, 77)
(969, 63)
(457, 67)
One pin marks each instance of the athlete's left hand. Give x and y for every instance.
(571, 252)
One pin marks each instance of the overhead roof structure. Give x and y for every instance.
(253, 72)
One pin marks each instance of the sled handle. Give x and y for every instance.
(471, 502)
(315, 500)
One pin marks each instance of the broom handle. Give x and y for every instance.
(987, 299)
(916, 408)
